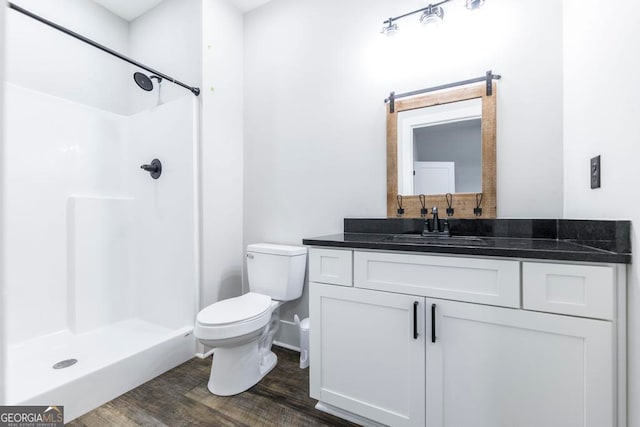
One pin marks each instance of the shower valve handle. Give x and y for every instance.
(155, 168)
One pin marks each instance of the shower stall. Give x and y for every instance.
(101, 245)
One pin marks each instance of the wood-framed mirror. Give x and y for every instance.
(443, 142)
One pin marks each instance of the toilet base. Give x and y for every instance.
(237, 369)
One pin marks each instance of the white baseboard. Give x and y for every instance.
(287, 346)
(205, 355)
(288, 335)
(346, 415)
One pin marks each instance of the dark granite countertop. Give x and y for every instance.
(587, 241)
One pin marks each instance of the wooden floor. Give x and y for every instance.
(180, 398)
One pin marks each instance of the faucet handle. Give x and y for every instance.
(434, 210)
(445, 227)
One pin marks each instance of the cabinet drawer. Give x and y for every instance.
(577, 290)
(484, 281)
(333, 266)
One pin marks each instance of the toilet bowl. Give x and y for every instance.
(241, 329)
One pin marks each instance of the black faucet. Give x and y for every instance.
(435, 222)
(433, 227)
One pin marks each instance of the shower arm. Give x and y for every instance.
(194, 90)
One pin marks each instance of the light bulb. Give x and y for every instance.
(390, 29)
(433, 15)
(473, 4)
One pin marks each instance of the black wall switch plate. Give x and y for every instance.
(595, 172)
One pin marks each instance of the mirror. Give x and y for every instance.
(443, 143)
(439, 149)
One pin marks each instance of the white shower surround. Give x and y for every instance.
(102, 260)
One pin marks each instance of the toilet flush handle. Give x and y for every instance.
(250, 256)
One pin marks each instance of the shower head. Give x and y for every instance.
(145, 82)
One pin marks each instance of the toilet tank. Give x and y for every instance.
(276, 270)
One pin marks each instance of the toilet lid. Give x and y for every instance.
(234, 310)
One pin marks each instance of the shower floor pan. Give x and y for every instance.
(110, 361)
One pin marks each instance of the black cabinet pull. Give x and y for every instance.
(433, 323)
(415, 320)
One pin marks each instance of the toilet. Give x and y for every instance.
(241, 329)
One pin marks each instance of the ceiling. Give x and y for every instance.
(130, 10)
(247, 5)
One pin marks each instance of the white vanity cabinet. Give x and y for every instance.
(493, 366)
(364, 357)
(444, 340)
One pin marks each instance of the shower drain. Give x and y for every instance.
(65, 363)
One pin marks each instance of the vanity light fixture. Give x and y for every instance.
(473, 4)
(390, 29)
(433, 13)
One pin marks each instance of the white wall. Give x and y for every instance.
(167, 38)
(3, 312)
(601, 111)
(316, 74)
(49, 61)
(222, 133)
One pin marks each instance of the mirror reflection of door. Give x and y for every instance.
(434, 177)
(457, 143)
(430, 138)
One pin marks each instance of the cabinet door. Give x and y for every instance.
(365, 357)
(493, 366)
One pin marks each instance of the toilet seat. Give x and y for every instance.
(234, 317)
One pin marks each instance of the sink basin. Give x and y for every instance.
(418, 239)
